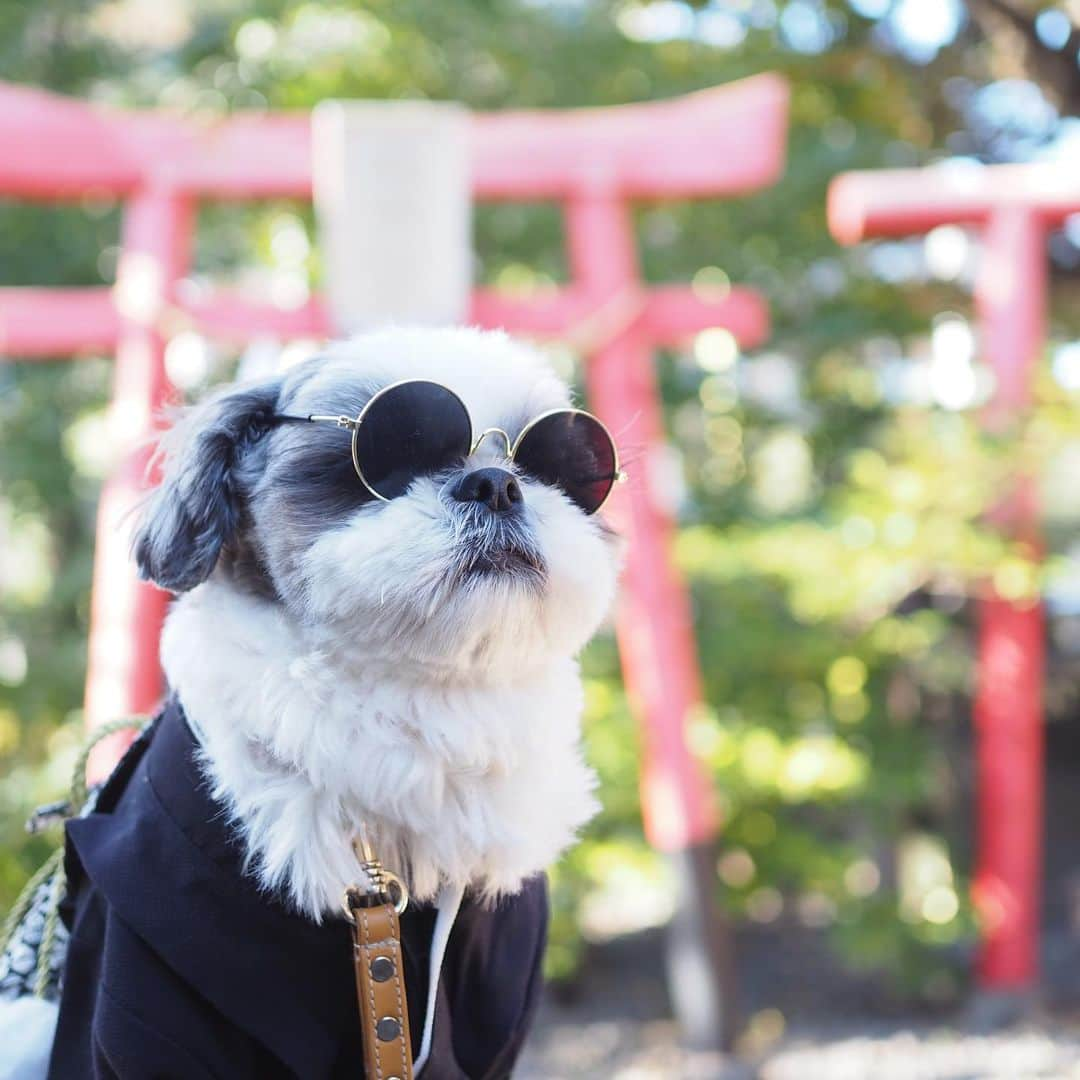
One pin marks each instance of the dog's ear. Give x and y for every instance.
(195, 510)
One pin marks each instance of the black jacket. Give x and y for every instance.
(179, 967)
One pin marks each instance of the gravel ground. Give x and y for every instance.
(804, 1019)
(612, 1050)
(1024, 1053)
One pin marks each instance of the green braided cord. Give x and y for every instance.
(79, 790)
(55, 862)
(26, 897)
(48, 935)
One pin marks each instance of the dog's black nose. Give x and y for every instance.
(495, 488)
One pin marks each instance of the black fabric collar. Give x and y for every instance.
(166, 860)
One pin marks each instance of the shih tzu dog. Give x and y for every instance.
(387, 559)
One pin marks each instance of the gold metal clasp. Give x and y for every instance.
(383, 886)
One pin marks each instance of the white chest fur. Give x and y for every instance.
(304, 736)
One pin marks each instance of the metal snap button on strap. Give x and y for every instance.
(382, 968)
(388, 1028)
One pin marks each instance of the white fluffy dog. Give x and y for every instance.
(334, 652)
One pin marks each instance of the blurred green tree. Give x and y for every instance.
(830, 517)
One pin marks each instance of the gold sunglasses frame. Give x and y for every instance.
(353, 424)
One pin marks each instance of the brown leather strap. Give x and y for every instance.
(380, 987)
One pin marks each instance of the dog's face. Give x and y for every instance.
(430, 582)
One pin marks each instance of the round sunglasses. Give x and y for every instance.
(417, 427)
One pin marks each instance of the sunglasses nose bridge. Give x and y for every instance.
(492, 431)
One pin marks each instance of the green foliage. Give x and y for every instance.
(805, 531)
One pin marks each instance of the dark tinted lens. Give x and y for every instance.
(572, 451)
(409, 430)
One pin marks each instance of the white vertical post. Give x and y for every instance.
(392, 186)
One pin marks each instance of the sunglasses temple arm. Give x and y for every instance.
(340, 421)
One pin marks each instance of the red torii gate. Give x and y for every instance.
(593, 163)
(1013, 207)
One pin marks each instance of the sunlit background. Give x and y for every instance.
(830, 487)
